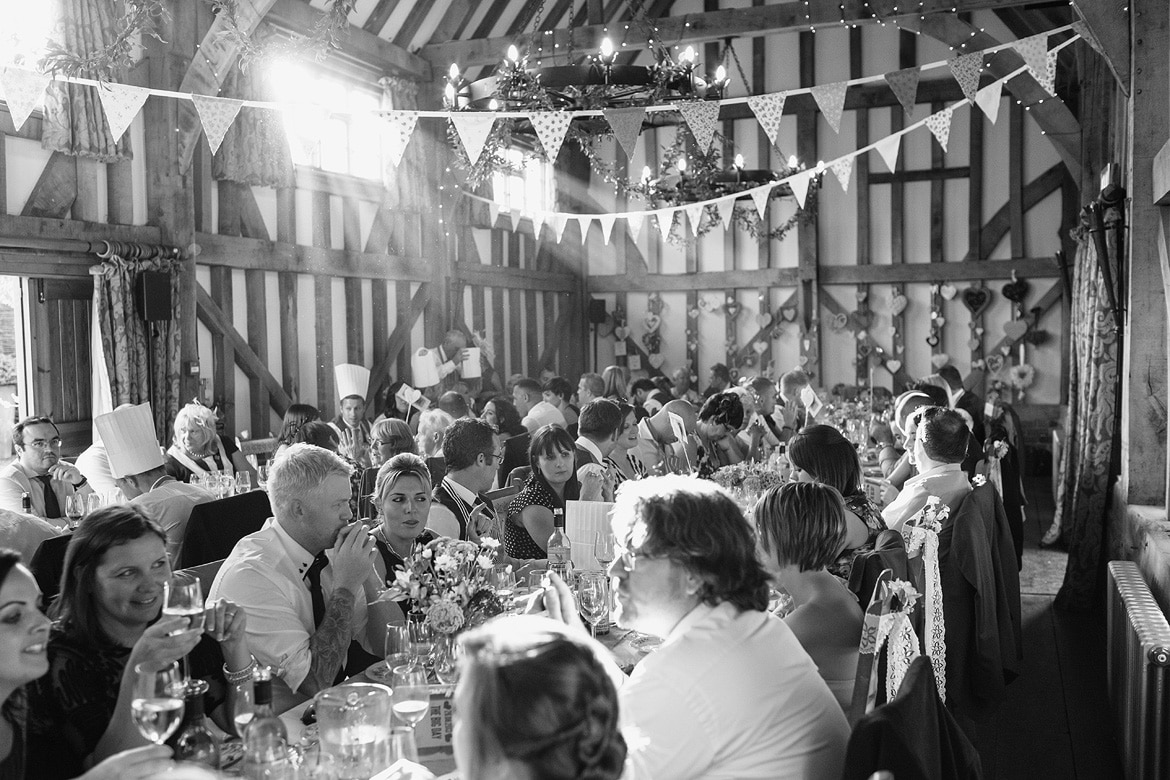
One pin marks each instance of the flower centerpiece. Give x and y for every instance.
(747, 481)
(448, 582)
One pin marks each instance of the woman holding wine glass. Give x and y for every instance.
(108, 622)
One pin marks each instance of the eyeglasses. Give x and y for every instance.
(630, 558)
(490, 456)
(41, 444)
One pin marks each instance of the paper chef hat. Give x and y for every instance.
(351, 380)
(130, 441)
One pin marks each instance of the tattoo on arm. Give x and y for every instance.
(329, 645)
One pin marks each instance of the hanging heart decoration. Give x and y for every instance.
(1015, 329)
(764, 319)
(747, 360)
(862, 294)
(621, 333)
(898, 304)
(693, 312)
(732, 308)
(730, 345)
(694, 377)
(893, 366)
(994, 363)
(805, 344)
(652, 341)
(940, 360)
(978, 364)
(979, 330)
(1016, 290)
(976, 299)
(704, 304)
(692, 345)
(1005, 350)
(973, 344)
(932, 340)
(803, 360)
(838, 321)
(940, 321)
(652, 321)
(863, 350)
(656, 359)
(760, 347)
(948, 291)
(654, 303)
(788, 313)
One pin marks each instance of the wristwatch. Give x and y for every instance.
(82, 483)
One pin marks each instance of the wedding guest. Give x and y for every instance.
(939, 448)
(624, 463)
(589, 387)
(39, 471)
(615, 379)
(892, 438)
(449, 358)
(681, 386)
(432, 425)
(535, 700)
(819, 453)
(353, 429)
(764, 390)
(718, 380)
(324, 435)
(306, 578)
(472, 451)
(719, 418)
(554, 480)
(500, 412)
(294, 417)
(640, 390)
(792, 411)
(730, 692)
(402, 494)
(198, 449)
(598, 430)
(454, 404)
(801, 527)
(388, 438)
(558, 392)
(26, 635)
(109, 620)
(960, 398)
(394, 407)
(94, 464)
(24, 533)
(526, 393)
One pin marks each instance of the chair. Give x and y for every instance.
(215, 527)
(48, 564)
(519, 476)
(257, 447)
(888, 553)
(205, 572)
(365, 493)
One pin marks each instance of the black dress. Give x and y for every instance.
(518, 543)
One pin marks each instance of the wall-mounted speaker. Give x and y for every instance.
(597, 313)
(152, 295)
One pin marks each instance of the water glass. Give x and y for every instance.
(593, 597)
(243, 482)
(398, 652)
(262, 475)
(157, 703)
(94, 502)
(504, 581)
(421, 642)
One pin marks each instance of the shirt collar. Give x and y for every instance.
(461, 491)
(953, 396)
(937, 471)
(162, 481)
(300, 558)
(591, 448)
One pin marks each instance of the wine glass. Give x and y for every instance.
(183, 597)
(504, 582)
(74, 509)
(157, 706)
(420, 642)
(262, 475)
(593, 597)
(603, 544)
(93, 502)
(411, 698)
(398, 651)
(243, 482)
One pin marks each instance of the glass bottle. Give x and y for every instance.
(560, 550)
(265, 737)
(194, 741)
(26, 503)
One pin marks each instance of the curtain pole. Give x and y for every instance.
(127, 250)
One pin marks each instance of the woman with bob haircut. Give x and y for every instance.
(820, 453)
(535, 702)
(801, 527)
(553, 455)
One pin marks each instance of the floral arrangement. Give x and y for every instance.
(932, 515)
(1022, 376)
(449, 581)
(753, 477)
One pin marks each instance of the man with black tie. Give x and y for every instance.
(39, 471)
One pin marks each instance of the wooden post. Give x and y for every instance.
(806, 234)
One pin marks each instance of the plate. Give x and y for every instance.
(380, 673)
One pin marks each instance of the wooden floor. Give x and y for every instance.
(1055, 722)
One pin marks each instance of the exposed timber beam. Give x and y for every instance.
(1108, 20)
(705, 27)
(258, 255)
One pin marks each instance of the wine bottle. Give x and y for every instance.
(560, 550)
(194, 741)
(26, 503)
(265, 737)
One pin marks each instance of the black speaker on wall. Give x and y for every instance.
(597, 313)
(152, 294)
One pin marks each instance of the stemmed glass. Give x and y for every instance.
(504, 584)
(398, 651)
(262, 475)
(74, 509)
(411, 698)
(183, 597)
(421, 642)
(157, 705)
(243, 482)
(593, 597)
(603, 544)
(93, 502)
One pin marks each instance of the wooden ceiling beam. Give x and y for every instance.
(377, 18)
(1108, 20)
(704, 27)
(410, 27)
(453, 22)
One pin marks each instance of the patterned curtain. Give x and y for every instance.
(255, 148)
(142, 358)
(1082, 492)
(74, 120)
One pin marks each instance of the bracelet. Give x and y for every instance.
(241, 675)
(82, 483)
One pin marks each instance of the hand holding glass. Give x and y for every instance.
(157, 706)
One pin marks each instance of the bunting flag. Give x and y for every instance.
(665, 220)
(831, 100)
(760, 196)
(726, 210)
(559, 222)
(1082, 29)
(626, 124)
(701, 117)
(401, 128)
(967, 69)
(1049, 82)
(768, 109)
(121, 104)
(634, 224)
(988, 99)
(493, 213)
(538, 218)
(24, 91)
(607, 221)
(843, 170)
(904, 84)
(888, 149)
(216, 114)
(694, 216)
(1034, 50)
(551, 127)
(473, 128)
(799, 185)
(584, 221)
(940, 125)
(517, 217)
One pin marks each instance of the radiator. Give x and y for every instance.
(1138, 669)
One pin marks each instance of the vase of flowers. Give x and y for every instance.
(748, 481)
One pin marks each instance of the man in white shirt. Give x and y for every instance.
(598, 427)
(526, 393)
(307, 576)
(938, 449)
(39, 471)
(730, 693)
(589, 387)
(473, 450)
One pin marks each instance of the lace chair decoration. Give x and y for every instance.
(887, 627)
(921, 535)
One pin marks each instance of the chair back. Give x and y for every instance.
(519, 476)
(365, 494)
(205, 573)
(215, 527)
(48, 564)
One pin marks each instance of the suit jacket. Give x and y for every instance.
(15, 480)
(515, 455)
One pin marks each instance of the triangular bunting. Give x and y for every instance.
(401, 128)
(473, 128)
(843, 170)
(538, 218)
(24, 91)
(701, 117)
(1049, 82)
(517, 217)
(665, 220)
(940, 125)
(694, 216)
(626, 124)
(768, 109)
(760, 196)
(1082, 29)
(559, 222)
(831, 100)
(904, 84)
(121, 104)
(726, 208)
(217, 115)
(634, 223)
(551, 127)
(584, 221)
(988, 99)
(493, 213)
(799, 185)
(606, 221)
(1034, 50)
(967, 69)
(888, 149)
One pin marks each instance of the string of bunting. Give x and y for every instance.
(24, 92)
(939, 124)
